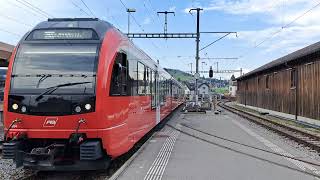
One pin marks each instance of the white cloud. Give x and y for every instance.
(146, 21)
(280, 12)
(284, 42)
(301, 32)
(173, 8)
(22, 18)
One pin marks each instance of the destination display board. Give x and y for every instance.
(63, 34)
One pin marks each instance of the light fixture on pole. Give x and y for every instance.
(129, 11)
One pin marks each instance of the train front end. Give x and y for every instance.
(50, 99)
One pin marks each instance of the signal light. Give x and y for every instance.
(210, 72)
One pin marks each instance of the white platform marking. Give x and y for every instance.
(303, 166)
(159, 164)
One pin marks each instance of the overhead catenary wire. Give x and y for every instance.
(88, 8)
(32, 9)
(15, 20)
(214, 41)
(150, 3)
(25, 9)
(244, 153)
(77, 6)
(114, 20)
(303, 14)
(10, 32)
(134, 19)
(136, 22)
(35, 8)
(286, 25)
(148, 11)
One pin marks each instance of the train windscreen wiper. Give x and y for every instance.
(50, 90)
(43, 77)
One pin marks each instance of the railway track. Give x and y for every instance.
(297, 135)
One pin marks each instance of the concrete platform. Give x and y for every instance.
(170, 154)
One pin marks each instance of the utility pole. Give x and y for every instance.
(197, 75)
(129, 11)
(217, 66)
(166, 19)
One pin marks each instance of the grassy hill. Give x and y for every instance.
(179, 75)
(188, 79)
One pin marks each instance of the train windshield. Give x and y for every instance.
(39, 66)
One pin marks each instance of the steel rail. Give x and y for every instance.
(295, 134)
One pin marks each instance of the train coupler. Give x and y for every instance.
(41, 156)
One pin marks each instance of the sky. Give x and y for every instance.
(266, 29)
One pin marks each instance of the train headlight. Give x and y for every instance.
(77, 109)
(23, 109)
(15, 106)
(87, 107)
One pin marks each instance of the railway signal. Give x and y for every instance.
(210, 72)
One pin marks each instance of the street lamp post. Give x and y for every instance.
(129, 11)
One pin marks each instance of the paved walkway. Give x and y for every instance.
(171, 154)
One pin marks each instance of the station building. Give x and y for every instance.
(5, 53)
(288, 86)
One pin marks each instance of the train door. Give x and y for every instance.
(157, 96)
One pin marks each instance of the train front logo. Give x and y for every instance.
(50, 122)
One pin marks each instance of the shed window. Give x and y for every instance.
(119, 78)
(267, 82)
(293, 78)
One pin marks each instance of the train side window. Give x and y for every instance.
(119, 78)
(141, 79)
(162, 89)
(293, 78)
(133, 81)
(171, 88)
(166, 91)
(147, 81)
(150, 82)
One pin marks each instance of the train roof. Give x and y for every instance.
(100, 26)
(292, 57)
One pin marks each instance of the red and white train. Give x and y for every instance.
(79, 93)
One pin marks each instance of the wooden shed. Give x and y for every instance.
(290, 84)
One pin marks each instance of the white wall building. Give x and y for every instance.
(233, 86)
